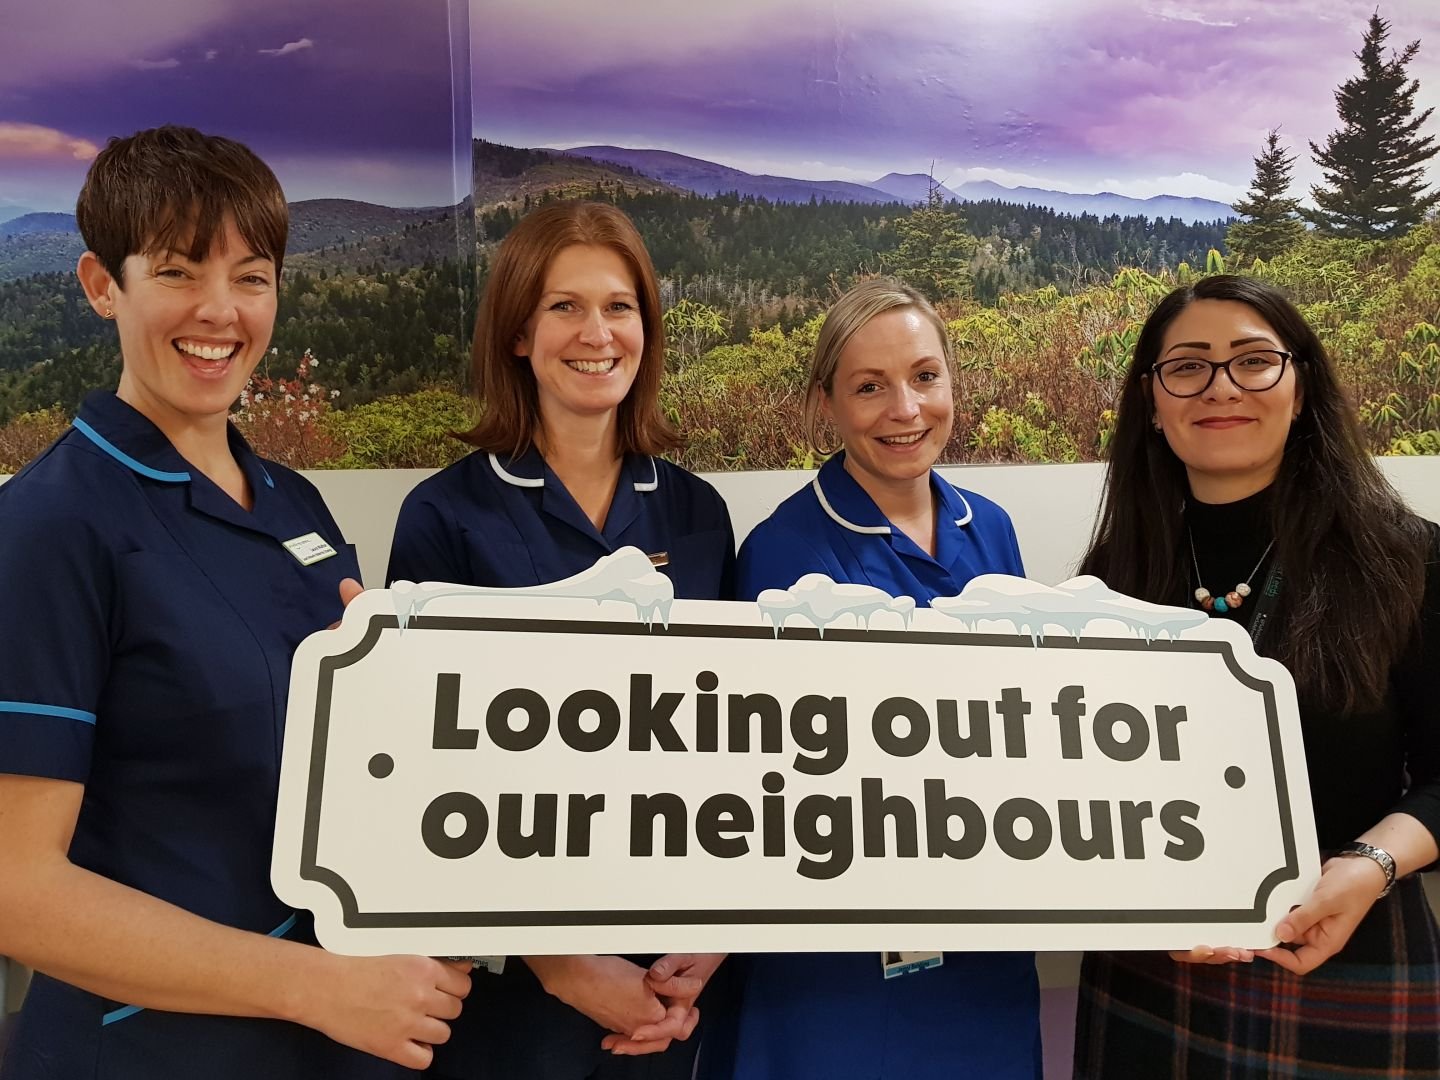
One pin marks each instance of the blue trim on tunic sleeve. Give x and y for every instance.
(35, 709)
(124, 458)
(127, 1011)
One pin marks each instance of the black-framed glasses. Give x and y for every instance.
(1254, 370)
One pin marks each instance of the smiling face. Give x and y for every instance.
(190, 332)
(586, 336)
(1231, 440)
(890, 400)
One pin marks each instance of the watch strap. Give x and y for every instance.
(1382, 857)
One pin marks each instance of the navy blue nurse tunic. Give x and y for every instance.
(832, 1016)
(509, 522)
(146, 637)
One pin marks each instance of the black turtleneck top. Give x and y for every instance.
(1363, 764)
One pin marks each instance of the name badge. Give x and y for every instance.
(309, 549)
(895, 964)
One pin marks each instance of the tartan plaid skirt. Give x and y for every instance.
(1371, 1011)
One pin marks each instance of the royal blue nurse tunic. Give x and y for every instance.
(832, 1016)
(507, 522)
(147, 630)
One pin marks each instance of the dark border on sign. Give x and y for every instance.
(311, 870)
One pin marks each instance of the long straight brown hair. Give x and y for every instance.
(505, 383)
(1353, 555)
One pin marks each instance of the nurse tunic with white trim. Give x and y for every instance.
(509, 522)
(147, 632)
(832, 1016)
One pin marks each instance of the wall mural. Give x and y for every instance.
(1043, 171)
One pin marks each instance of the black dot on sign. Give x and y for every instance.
(1235, 777)
(381, 766)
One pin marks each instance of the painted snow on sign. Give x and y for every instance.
(820, 601)
(626, 575)
(1070, 606)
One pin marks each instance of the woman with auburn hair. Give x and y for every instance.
(157, 578)
(1239, 482)
(568, 357)
(878, 514)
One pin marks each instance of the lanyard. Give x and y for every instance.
(1265, 605)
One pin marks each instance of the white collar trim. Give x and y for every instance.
(511, 478)
(653, 482)
(539, 481)
(866, 530)
(969, 513)
(877, 530)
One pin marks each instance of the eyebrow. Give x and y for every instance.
(916, 364)
(1206, 344)
(572, 292)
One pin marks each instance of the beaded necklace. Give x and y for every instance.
(1236, 596)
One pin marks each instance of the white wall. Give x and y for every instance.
(1053, 506)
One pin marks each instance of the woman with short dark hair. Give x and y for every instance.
(157, 578)
(1239, 482)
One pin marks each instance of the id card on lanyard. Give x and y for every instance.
(1265, 606)
(895, 964)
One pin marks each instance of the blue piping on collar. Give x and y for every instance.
(125, 459)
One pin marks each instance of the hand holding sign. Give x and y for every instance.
(395, 1007)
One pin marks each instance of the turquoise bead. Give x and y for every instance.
(1220, 605)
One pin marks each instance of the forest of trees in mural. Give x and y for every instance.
(1043, 307)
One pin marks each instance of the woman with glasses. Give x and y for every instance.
(1239, 482)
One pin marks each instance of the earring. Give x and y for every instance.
(108, 313)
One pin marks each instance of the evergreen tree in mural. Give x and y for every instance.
(935, 249)
(1374, 164)
(1271, 226)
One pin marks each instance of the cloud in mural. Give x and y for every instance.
(211, 54)
(155, 65)
(1080, 94)
(1175, 13)
(289, 47)
(32, 142)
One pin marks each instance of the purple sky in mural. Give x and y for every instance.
(1082, 95)
(342, 99)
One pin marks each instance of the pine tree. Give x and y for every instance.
(1272, 226)
(935, 250)
(1373, 164)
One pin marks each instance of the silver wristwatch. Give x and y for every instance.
(1370, 851)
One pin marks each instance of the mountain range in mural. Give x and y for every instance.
(368, 233)
(708, 178)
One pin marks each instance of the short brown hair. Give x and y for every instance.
(846, 317)
(505, 383)
(170, 189)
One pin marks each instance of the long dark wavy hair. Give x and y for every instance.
(1353, 554)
